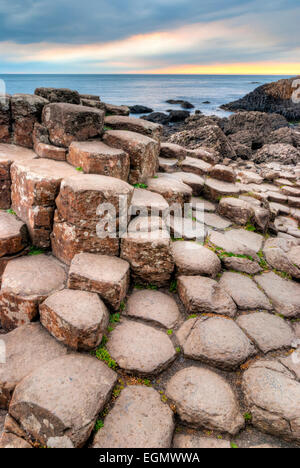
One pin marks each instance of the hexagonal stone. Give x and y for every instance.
(13, 234)
(221, 172)
(172, 151)
(26, 282)
(139, 419)
(143, 152)
(284, 294)
(195, 441)
(5, 118)
(215, 221)
(189, 390)
(61, 400)
(107, 276)
(94, 157)
(145, 202)
(234, 243)
(244, 292)
(26, 348)
(292, 362)
(267, 331)
(237, 210)
(273, 397)
(11, 441)
(243, 265)
(149, 255)
(204, 295)
(216, 341)
(193, 259)
(76, 318)
(153, 306)
(200, 204)
(173, 191)
(192, 180)
(69, 122)
(43, 150)
(279, 255)
(214, 189)
(132, 124)
(26, 110)
(139, 348)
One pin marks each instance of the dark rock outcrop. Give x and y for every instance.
(182, 103)
(59, 95)
(137, 109)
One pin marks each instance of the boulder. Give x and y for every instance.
(192, 259)
(58, 95)
(138, 109)
(108, 277)
(285, 154)
(181, 102)
(204, 295)
(279, 255)
(216, 341)
(178, 115)
(112, 109)
(189, 388)
(68, 122)
(143, 152)
(237, 210)
(157, 117)
(5, 119)
(153, 307)
(13, 234)
(76, 318)
(27, 348)
(139, 419)
(139, 348)
(26, 282)
(94, 157)
(26, 110)
(60, 401)
(117, 122)
(273, 397)
(243, 265)
(145, 202)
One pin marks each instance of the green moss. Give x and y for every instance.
(173, 287)
(178, 349)
(12, 212)
(248, 417)
(106, 128)
(98, 425)
(233, 445)
(79, 169)
(103, 355)
(250, 227)
(35, 251)
(170, 332)
(143, 186)
(122, 306)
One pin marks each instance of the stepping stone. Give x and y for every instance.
(186, 228)
(277, 197)
(8, 155)
(189, 389)
(139, 348)
(284, 294)
(26, 282)
(168, 165)
(139, 419)
(173, 191)
(94, 157)
(244, 292)
(172, 151)
(146, 203)
(154, 307)
(26, 110)
(238, 241)
(294, 202)
(142, 150)
(252, 240)
(200, 153)
(204, 295)
(13, 234)
(69, 122)
(149, 255)
(44, 150)
(146, 224)
(26, 349)
(195, 166)
(267, 331)
(200, 204)
(290, 191)
(279, 255)
(35, 186)
(194, 441)
(216, 189)
(193, 259)
(243, 265)
(292, 362)
(285, 224)
(237, 210)
(76, 318)
(132, 124)
(215, 221)
(61, 400)
(216, 341)
(221, 172)
(107, 276)
(11, 441)
(249, 177)
(278, 209)
(273, 397)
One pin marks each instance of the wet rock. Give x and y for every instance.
(193, 259)
(76, 318)
(153, 306)
(94, 157)
(68, 122)
(26, 110)
(138, 109)
(58, 95)
(143, 152)
(27, 348)
(138, 348)
(158, 118)
(181, 102)
(178, 115)
(62, 399)
(204, 295)
(109, 277)
(13, 234)
(132, 124)
(267, 331)
(273, 397)
(138, 420)
(189, 388)
(216, 341)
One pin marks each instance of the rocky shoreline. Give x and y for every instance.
(147, 337)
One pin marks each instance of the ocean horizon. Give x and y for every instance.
(206, 92)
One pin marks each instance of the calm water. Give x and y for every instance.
(150, 90)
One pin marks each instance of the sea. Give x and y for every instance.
(206, 92)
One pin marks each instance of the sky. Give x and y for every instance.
(150, 36)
